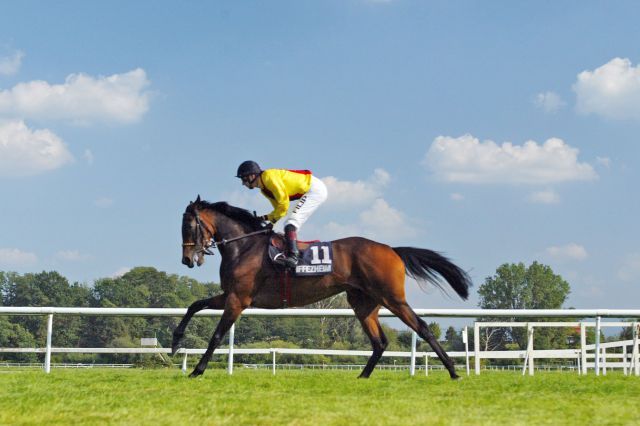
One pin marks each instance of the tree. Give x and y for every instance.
(515, 286)
(146, 287)
(453, 339)
(13, 335)
(334, 329)
(405, 337)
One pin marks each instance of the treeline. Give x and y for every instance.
(146, 287)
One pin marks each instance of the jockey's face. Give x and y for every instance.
(250, 181)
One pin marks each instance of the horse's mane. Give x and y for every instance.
(236, 213)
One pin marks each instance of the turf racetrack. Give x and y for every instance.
(249, 397)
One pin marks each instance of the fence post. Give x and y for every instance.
(624, 361)
(465, 339)
(634, 351)
(47, 355)
(273, 360)
(476, 346)
(412, 367)
(426, 364)
(184, 363)
(583, 347)
(530, 347)
(597, 359)
(232, 332)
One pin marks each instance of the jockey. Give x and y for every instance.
(281, 186)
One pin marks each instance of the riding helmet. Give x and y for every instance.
(248, 168)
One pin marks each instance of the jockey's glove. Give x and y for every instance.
(266, 223)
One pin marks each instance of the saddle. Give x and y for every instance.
(316, 257)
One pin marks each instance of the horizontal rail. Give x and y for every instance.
(553, 324)
(559, 353)
(303, 312)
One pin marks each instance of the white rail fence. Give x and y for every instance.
(628, 361)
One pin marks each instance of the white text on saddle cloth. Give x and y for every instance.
(317, 259)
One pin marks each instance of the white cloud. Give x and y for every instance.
(12, 257)
(571, 251)
(72, 256)
(81, 99)
(456, 197)
(26, 152)
(103, 202)
(361, 208)
(548, 196)
(251, 200)
(611, 91)
(604, 161)
(120, 272)
(88, 156)
(342, 194)
(630, 269)
(466, 159)
(380, 222)
(549, 102)
(10, 65)
(347, 194)
(334, 230)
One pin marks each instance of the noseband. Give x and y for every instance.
(205, 247)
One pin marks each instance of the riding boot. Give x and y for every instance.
(291, 252)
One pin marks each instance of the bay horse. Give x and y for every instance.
(372, 274)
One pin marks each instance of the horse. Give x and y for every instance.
(372, 274)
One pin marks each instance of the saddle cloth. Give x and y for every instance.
(316, 257)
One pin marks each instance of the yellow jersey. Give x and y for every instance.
(281, 186)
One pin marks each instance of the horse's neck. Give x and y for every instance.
(227, 228)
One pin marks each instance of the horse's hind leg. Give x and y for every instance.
(403, 311)
(215, 302)
(366, 309)
(232, 310)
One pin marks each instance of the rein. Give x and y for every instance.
(211, 243)
(250, 234)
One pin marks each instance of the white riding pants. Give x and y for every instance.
(308, 203)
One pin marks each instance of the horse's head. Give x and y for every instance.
(197, 235)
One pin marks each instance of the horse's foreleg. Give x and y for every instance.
(232, 310)
(366, 309)
(215, 302)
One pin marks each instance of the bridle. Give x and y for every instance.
(211, 243)
(204, 246)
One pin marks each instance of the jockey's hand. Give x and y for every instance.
(266, 223)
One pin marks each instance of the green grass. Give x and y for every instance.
(249, 397)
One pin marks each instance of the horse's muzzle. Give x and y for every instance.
(187, 261)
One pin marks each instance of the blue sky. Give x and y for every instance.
(494, 132)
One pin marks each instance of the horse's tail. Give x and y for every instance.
(426, 265)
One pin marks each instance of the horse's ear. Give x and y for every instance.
(198, 199)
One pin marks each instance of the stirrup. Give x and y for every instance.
(291, 261)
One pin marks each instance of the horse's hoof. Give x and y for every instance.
(455, 377)
(196, 372)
